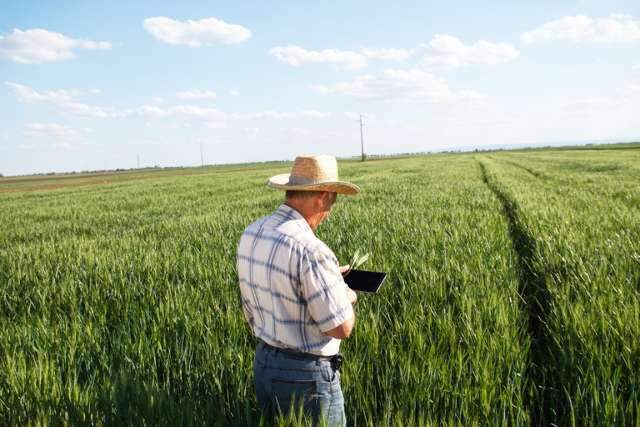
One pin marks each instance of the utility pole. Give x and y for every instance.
(361, 139)
(201, 156)
(138, 159)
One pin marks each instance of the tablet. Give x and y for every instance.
(366, 281)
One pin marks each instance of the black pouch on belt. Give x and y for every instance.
(336, 362)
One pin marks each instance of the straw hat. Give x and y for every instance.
(313, 173)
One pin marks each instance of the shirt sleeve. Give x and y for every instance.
(324, 290)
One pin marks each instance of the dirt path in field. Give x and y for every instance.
(544, 401)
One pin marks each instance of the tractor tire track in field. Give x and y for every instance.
(531, 171)
(528, 169)
(544, 401)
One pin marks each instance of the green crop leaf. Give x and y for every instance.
(357, 260)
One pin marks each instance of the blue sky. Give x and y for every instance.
(84, 85)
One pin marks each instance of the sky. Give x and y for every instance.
(103, 85)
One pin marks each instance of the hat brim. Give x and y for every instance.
(341, 187)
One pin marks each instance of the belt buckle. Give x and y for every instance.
(336, 362)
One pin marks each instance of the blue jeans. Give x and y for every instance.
(284, 381)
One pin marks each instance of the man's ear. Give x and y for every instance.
(327, 198)
(318, 200)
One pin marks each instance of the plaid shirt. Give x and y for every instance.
(290, 283)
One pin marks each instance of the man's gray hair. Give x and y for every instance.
(301, 195)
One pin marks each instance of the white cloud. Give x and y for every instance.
(580, 28)
(277, 115)
(50, 130)
(37, 46)
(27, 94)
(609, 114)
(399, 84)
(63, 99)
(203, 32)
(85, 110)
(590, 105)
(387, 54)
(196, 112)
(146, 111)
(54, 134)
(214, 117)
(449, 50)
(351, 115)
(296, 55)
(196, 94)
(632, 86)
(234, 92)
(636, 67)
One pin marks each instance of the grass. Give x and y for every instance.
(512, 295)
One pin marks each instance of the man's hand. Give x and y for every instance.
(345, 269)
(353, 297)
(343, 331)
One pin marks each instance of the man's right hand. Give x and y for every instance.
(345, 269)
(353, 297)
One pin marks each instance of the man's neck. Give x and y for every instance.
(309, 218)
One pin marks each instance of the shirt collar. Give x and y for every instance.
(290, 214)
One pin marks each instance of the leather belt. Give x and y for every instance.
(336, 359)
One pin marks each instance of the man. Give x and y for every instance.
(294, 297)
